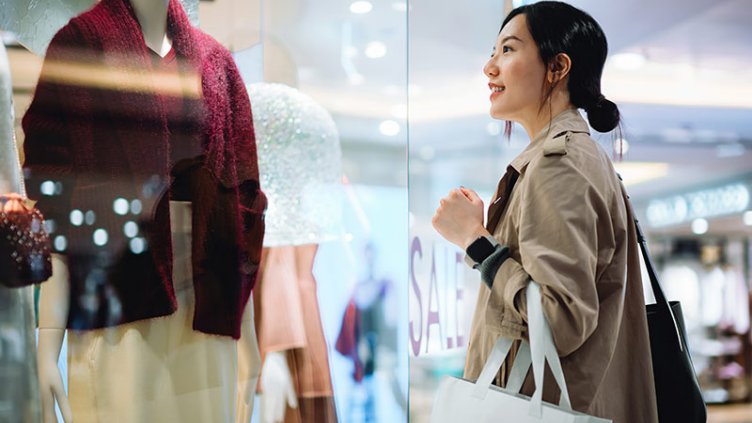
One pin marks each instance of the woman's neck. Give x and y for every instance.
(152, 16)
(538, 120)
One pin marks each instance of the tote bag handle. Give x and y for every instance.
(541, 349)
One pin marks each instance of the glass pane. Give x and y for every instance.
(147, 158)
(453, 142)
(19, 392)
(334, 80)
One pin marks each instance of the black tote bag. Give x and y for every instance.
(677, 391)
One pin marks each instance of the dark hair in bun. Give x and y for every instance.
(560, 28)
(603, 115)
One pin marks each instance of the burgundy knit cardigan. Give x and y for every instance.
(102, 141)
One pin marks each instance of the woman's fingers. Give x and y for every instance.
(471, 195)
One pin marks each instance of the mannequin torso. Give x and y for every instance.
(123, 347)
(152, 16)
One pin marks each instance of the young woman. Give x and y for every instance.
(559, 217)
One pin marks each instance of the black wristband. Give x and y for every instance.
(491, 264)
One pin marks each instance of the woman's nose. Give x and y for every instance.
(490, 69)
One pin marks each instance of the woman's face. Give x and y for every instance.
(515, 73)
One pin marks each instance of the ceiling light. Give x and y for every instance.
(100, 237)
(130, 229)
(375, 50)
(627, 61)
(47, 188)
(360, 7)
(389, 128)
(120, 206)
(137, 245)
(748, 218)
(136, 206)
(76, 217)
(90, 217)
(61, 243)
(699, 226)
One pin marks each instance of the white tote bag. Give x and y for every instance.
(460, 400)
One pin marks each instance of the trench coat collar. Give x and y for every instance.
(569, 120)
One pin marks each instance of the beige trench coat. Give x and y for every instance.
(569, 229)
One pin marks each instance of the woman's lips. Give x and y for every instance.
(496, 90)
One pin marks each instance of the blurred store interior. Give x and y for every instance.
(679, 72)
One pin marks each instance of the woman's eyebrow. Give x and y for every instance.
(510, 37)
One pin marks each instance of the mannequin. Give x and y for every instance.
(368, 337)
(152, 16)
(165, 369)
(18, 389)
(295, 381)
(300, 163)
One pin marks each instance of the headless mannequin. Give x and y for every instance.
(152, 16)
(54, 295)
(278, 392)
(289, 391)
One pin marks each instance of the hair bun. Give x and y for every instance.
(603, 115)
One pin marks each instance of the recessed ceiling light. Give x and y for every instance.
(389, 128)
(61, 243)
(76, 217)
(375, 50)
(699, 226)
(100, 237)
(361, 7)
(120, 206)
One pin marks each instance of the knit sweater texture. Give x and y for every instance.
(99, 130)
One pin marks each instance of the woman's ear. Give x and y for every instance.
(559, 68)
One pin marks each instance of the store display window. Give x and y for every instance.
(221, 183)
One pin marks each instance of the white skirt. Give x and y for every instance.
(160, 369)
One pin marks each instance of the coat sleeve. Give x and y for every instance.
(252, 199)
(558, 249)
(49, 153)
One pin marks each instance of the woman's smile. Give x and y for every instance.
(496, 90)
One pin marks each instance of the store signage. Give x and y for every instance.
(437, 296)
(724, 200)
